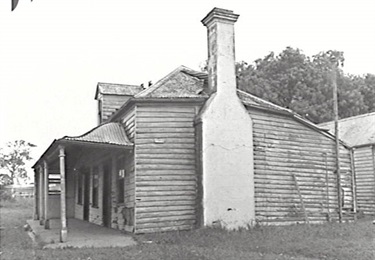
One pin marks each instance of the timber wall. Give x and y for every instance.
(364, 161)
(110, 104)
(123, 213)
(165, 172)
(284, 147)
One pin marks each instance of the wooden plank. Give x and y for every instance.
(140, 150)
(164, 119)
(140, 194)
(165, 188)
(161, 178)
(165, 221)
(164, 203)
(166, 140)
(165, 167)
(165, 109)
(165, 172)
(188, 124)
(166, 146)
(172, 161)
(165, 156)
(163, 135)
(166, 198)
(165, 208)
(165, 215)
(165, 130)
(164, 229)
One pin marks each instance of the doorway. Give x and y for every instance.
(107, 172)
(86, 196)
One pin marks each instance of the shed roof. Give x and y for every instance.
(117, 89)
(109, 134)
(356, 130)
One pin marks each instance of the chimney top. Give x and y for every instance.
(220, 14)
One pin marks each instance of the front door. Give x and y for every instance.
(107, 172)
(86, 196)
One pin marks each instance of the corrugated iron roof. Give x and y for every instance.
(117, 89)
(108, 133)
(356, 130)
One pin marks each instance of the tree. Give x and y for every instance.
(15, 3)
(303, 84)
(13, 159)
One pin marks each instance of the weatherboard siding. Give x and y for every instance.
(364, 161)
(110, 104)
(165, 168)
(284, 147)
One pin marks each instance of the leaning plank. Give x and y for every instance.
(301, 199)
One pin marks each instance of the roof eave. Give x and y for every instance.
(133, 101)
(299, 119)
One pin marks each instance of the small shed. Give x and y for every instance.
(359, 133)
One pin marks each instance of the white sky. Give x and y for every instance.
(53, 53)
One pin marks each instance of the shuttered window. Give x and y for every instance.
(120, 179)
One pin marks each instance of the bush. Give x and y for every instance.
(6, 195)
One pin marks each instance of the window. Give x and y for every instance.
(120, 180)
(80, 188)
(54, 187)
(95, 187)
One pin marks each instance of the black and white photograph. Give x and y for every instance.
(187, 130)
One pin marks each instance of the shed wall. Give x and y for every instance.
(284, 147)
(364, 161)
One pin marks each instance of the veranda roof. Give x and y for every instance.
(109, 134)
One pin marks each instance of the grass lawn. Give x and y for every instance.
(329, 241)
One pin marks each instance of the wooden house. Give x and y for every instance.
(359, 133)
(191, 151)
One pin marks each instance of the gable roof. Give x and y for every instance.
(356, 130)
(180, 83)
(117, 89)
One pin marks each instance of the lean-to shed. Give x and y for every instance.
(359, 133)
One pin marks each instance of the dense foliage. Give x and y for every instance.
(13, 160)
(304, 84)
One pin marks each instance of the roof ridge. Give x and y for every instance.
(160, 82)
(119, 84)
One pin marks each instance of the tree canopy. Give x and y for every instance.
(303, 84)
(13, 160)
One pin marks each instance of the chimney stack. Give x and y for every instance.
(226, 146)
(221, 54)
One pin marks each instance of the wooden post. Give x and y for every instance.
(327, 188)
(46, 190)
(41, 200)
(64, 230)
(337, 141)
(301, 199)
(354, 184)
(36, 198)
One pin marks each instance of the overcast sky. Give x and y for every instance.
(53, 53)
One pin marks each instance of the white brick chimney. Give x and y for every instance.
(227, 137)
